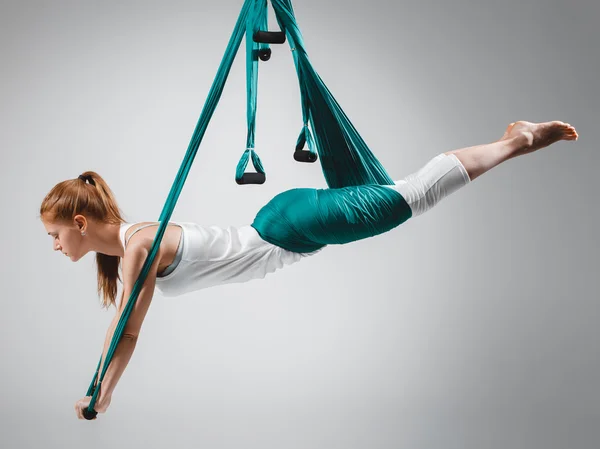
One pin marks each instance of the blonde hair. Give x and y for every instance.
(94, 200)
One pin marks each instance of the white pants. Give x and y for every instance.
(441, 176)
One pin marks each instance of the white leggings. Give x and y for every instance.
(441, 176)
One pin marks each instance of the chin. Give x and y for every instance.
(81, 256)
(75, 258)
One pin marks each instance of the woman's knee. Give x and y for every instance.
(440, 177)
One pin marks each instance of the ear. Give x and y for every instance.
(79, 222)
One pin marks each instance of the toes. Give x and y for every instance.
(567, 131)
(567, 128)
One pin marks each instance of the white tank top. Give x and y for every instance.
(213, 256)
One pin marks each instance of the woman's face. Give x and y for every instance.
(66, 239)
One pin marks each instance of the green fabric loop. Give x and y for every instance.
(345, 157)
(257, 163)
(305, 137)
(243, 163)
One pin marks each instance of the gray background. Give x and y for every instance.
(474, 325)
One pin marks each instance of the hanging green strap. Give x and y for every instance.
(345, 158)
(243, 163)
(209, 107)
(256, 20)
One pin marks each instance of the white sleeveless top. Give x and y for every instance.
(213, 256)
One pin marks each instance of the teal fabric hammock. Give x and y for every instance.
(346, 160)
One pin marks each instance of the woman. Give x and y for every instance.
(84, 217)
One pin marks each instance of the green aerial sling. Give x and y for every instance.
(346, 160)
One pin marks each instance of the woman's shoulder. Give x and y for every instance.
(143, 233)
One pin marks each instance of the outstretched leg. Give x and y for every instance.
(448, 172)
(303, 220)
(520, 138)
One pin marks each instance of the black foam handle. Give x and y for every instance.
(89, 415)
(305, 156)
(252, 178)
(264, 54)
(269, 37)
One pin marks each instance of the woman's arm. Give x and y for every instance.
(120, 359)
(132, 266)
(109, 334)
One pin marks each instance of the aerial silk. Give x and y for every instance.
(349, 167)
(305, 220)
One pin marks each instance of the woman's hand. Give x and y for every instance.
(84, 403)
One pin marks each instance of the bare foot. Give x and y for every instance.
(539, 135)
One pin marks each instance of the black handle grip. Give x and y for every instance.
(89, 415)
(264, 54)
(269, 37)
(252, 178)
(305, 156)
